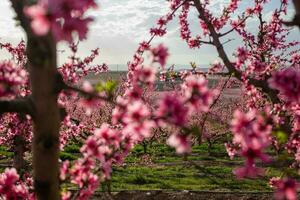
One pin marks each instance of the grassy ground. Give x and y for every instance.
(160, 168)
(199, 171)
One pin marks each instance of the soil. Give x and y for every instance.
(183, 195)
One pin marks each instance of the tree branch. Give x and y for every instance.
(174, 11)
(22, 105)
(87, 94)
(231, 30)
(294, 22)
(206, 42)
(262, 84)
(18, 6)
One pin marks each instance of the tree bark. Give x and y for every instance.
(44, 83)
(19, 151)
(41, 54)
(209, 147)
(145, 147)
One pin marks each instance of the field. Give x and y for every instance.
(162, 169)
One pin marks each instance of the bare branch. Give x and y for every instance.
(206, 42)
(294, 22)
(18, 6)
(227, 41)
(22, 105)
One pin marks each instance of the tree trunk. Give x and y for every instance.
(209, 146)
(41, 52)
(145, 147)
(19, 150)
(199, 139)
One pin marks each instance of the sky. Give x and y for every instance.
(120, 25)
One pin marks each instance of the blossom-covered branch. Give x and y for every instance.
(262, 84)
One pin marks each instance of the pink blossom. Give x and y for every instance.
(160, 54)
(139, 131)
(158, 31)
(253, 135)
(285, 189)
(197, 93)
(136, 111)
(180, 142)
(216, 67)
(40, 23)
(66, 195)
(231, 150)
(10, 187)
(11, 78)
(64, 170)
(172, 109)
(174, 4)
(250, 171)
(63, 18)
(143, 46)
(145, 75)
(134, 93)
(288, 83)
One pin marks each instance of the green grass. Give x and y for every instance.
(169, 171)
(4, 152)
(72, 148)
(67, 156)
(182, 178)
(214, 174)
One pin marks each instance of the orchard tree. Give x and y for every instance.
(45, 23)
(267, 65)
(16, 129)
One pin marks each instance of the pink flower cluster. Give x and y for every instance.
(176, 109)
(81, 175)
(21, 127)
(172, 109)
(61, 17)
(242, 55)
(17, 53)
(286, 188)
(185, 32)
(252, 134)
(197, 93)
(287, 82)
(11, 187)
(133, 119)
(181, 142)
(76, 68)
(160, 54)
(12, 77)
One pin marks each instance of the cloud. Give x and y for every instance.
(8, 28)
(121, 24)
(127, 17)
